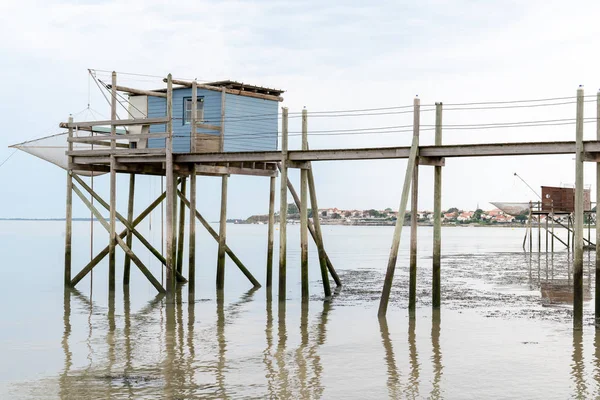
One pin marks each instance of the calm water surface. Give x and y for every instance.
(504, 330)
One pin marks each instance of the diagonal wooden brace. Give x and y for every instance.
(104, 252)
(215, 235)
(120, 242)
(311, 230)
(156, 253)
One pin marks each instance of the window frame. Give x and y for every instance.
(200, 111)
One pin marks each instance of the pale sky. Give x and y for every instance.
(327, 56)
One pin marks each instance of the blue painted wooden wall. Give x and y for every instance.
(250, 124)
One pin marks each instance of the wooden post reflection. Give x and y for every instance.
(221, 344)
(413, 379)
(64, 378)
(577, 368)
(283, 374)
(436, 392)
(393, 375)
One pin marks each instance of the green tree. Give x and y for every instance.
(336, 216)
(292, 209)
(477, 214)
(452, 210)
(374, 213)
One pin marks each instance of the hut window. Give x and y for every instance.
(187, 109)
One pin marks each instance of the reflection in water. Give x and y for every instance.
(145, 355)
(577, 369)
(436, 357)
(413, 379)
(393, 376)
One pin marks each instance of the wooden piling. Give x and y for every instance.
(113, 187)
(270, 234)
(170, 189)
(539, 224)
(414, 219)
(391, 267)
(69, 214)
(193, 191)
(304, 214)
(222, 235)
(578, 226)
(283, 205)
(181, 233)
(530, 223)
(129, 240)
(436, 283)
(597, 294)
(318, 235)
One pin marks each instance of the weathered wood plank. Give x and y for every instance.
(115, 122)
(139, 91)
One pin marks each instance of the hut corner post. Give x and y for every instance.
(283, 205)
(304, 214)
(69, 213)
(113, 187)
(389, 275)
(436, 281)
(578, 225)
(171, 193)
(192, 228)
(597, 297)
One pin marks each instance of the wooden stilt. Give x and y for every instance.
(283, 205)
(129, 241)
(304, 214)
(192, 233)
(222, 235)
(171, 189)
(539, 224)
(181, 234)
(193, 191)
(578, 226)
(436, 281)
(270, 234)
(311, 229)
(318, 235)
(597, 294)
(228, 251)
(113, 188)
(530, 222)
(414, 219)
(389, 276)
(69, 215)
(414, 216)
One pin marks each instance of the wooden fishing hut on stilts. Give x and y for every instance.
(192, 129)
(171, 129)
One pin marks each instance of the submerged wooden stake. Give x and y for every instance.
(270, 233)
(414, 218)
(129, 241)
(304, 214)
(578, 226)
(436, 280)
(389, 276)
(283, 205)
